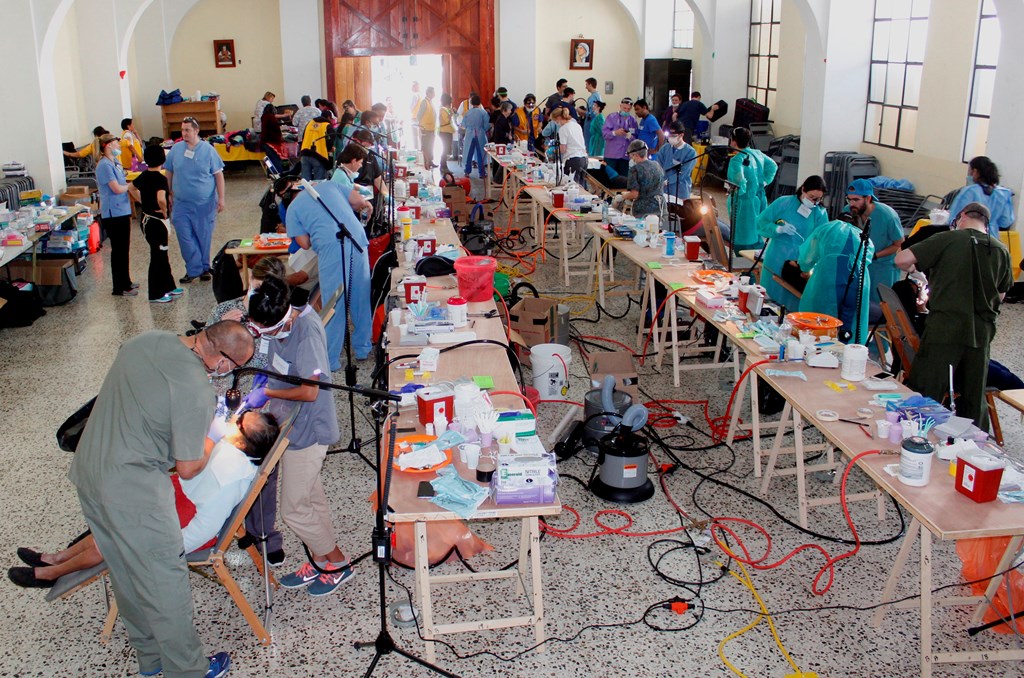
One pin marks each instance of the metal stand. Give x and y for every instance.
(859, 268)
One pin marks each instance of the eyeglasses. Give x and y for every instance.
(231, 361)
(257, 331)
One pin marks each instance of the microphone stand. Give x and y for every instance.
(355, 443)
(384, 644)
(860, 263)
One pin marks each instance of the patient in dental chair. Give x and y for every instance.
(204, 502)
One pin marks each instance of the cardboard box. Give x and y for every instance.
(80, 190)
(619, 364)
(72, 199)
(48, 271)
(534, 320)
(455, 199)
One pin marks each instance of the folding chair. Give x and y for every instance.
(213, 557)
(902, 336)
(327, 311)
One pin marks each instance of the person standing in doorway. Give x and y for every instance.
(116, 213)
(426, 119)
(196, 175)
(474, 126)
(446, 129)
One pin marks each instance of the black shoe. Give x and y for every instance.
(184, 280)
(126, 293)
(205, 275)
(246, 541)
(276, 558)
(26, 578)
(32, 558)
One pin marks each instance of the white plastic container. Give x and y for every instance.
(551, 370)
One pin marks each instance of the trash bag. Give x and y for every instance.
(980, 558)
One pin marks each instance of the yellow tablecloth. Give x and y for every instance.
(237, 153)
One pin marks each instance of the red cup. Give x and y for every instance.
(414, 188)
(692, 247)
(558, 199)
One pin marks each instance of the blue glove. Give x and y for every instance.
(260, 380)
(256, 399)
(786, 228)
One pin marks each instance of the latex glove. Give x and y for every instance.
(218, 429)
(256, 399)
(786, 228)
(259, 381)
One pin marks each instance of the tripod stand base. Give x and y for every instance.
(385, 645)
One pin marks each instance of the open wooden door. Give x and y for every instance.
(352, 80)
(464, 35)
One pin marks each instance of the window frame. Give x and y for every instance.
(675, 27)
(755, 91)
(982, 16)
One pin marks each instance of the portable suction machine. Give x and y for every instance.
(621, 473)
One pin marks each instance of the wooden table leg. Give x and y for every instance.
(926, 603)
(801, 479)
(524, 555)
(599, 260)
(422, 562)
(538, 584)
(769, 469)
(909, 539)
(245, 272)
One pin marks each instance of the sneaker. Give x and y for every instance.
(126, 293)
(134, 286)
(327, 583)
(186, 279)
(177, 291)
(220, 664)
(154, 672)
(304, 576)
(206, 275)
(166, 299)
(276, 558)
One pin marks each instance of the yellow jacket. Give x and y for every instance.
(522, 129)
(425, 116)
(447, 122)
(129, 141)
(315, 138)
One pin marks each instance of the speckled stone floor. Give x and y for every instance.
(54, 366)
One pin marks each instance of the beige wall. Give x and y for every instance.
(617, 51)
(790, 96)
(255, 26)
(935, 166)
(74, 126)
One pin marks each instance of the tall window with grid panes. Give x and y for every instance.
(986, 57)
(763, 60)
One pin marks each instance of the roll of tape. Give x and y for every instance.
(827, 415)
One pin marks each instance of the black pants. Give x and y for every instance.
(446, 149)
(119, 231)
(161, 280)
(576, 168)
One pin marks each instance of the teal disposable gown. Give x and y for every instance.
(885, 230)
(751, 170)
(782, 248)
(829, 253)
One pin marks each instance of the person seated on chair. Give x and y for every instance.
(215, 492)
(646, 181)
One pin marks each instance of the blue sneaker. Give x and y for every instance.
(220, 664)
(151, 673)
(177, 291)
(327, 583)
(304, 576)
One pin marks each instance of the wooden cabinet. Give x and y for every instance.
(206, 112)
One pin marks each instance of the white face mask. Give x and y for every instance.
(808, 203)
(677, 141)
(970, 179)
(632, 163)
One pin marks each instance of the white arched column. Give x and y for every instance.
(1005, 142)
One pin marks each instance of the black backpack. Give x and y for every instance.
(227, 281)
(22, 307)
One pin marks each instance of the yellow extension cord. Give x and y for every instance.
(746, 581)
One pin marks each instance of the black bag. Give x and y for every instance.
(748, 111)
(720, 112)
(70, 432)
(769, 401)
(58, 295)
(227, 281)
(435, 265)
(22, 307)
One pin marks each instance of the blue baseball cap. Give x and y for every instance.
(861, 187)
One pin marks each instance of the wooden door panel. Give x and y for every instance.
(352, 79)
(460, 30)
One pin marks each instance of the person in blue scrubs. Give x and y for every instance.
(886, 232)
(751, 171)
(983, 187)
(648, 129)
(116, 212)
(311, 226)
(679, 157)
(829, 255)
(195, 174)
(474, 126)
(787, 224)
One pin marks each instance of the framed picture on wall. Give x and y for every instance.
(224, 53)
(581, 54)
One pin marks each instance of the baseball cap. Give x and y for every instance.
(861, 187)
(978, 211)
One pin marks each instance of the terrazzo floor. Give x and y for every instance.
(54, 366)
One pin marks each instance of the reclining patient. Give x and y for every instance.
(215, 491)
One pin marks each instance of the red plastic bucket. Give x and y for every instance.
(476, 277)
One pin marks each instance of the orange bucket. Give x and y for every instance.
(476, 277)
(818, 324)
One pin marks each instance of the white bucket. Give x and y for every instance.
(855, 362)
(550, 374)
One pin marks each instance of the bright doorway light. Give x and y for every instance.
(392, 78)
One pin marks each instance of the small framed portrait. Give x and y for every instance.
(224, 53)
(581, 54)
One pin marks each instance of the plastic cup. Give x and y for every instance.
(882, 427)
(504, 448)
(486, 438)
(472, 452)
(485, 469)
